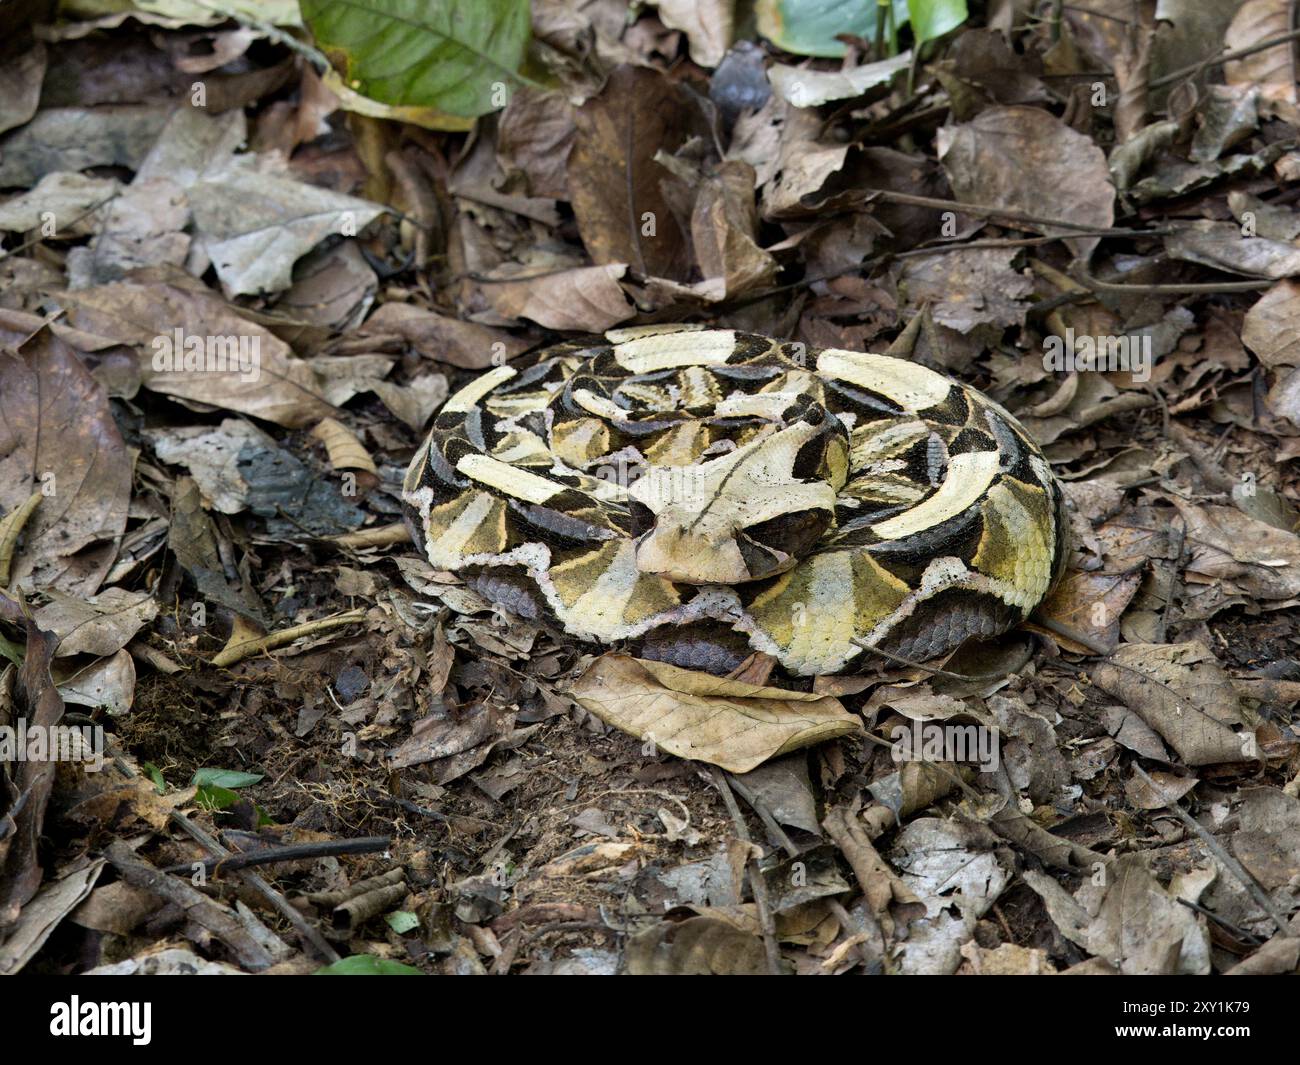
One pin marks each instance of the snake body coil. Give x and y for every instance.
(707, 492)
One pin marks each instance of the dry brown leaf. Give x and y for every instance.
(98, 624)
(587, 299)
(695, 715)
(1126, 918)
(444, 339)
(616, 186)
(1182, 693)
(345, 451)
(1271, 328)
(1090, 604)
(697, 946)
(534, 135)
(1239, 555)
(1054, 167)
(278, 387)
(1273, 70)
(707, 24)
(724, 225)
(58, 437)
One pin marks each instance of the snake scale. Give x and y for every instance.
(705, 493)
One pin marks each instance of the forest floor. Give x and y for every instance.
(210, 568)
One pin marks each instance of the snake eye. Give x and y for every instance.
(643, 518)
(814, 415)
(790, 534)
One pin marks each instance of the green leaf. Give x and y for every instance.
(459, 56)
(224, 778)
(211, 797)
(934, 18)
(367, 965)
(11, 651)
(155, 774)
(808, 27)
(402, 921)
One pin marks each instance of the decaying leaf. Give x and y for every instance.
(58, 437)
(1182, 693)
(694, 715)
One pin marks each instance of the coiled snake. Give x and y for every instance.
(705, 493)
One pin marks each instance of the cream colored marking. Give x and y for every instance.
(826, 637)
(599, 405)
(600, 610)
(468, 397)
(908, 384)
(969, 476)
(520, 446)
(667, 350)
(639, 332)
(509, 479)
(448, 550)
(760, 404)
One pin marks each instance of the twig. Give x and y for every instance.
(308, 931)
(290, 852)
(5, 254)
(1208, 288)
(756, 885)
(196, 906)
(232, 653)
(765, 815)
(1222, 857)
(1006, 213)
(1226, 57)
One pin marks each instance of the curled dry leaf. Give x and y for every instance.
(1182, 693)
(802, 87)
(108, 683)
(695, 715)
(345, 451)
(27, 783)
(58, 437)
(724, 225)
(707, 24)
(1222, 245)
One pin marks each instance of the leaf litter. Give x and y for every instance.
(227, 324)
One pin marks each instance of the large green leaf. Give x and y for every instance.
(368, 965)
(808, 27)
(934, 18)
(460, 56)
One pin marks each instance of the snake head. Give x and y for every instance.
(747, 515)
